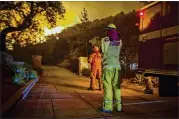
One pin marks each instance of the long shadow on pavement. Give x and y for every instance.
(72, 86)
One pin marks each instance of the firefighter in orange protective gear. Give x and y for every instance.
(95, 60)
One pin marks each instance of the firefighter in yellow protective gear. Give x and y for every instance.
(95, 60)
(111, 75)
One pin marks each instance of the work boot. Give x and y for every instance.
(105, 111)
(101, 89)
(119, 109)
(91, 89)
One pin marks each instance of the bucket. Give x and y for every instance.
(37, 60)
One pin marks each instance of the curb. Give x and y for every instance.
(137, 88)
(19, 95)
(133, 88)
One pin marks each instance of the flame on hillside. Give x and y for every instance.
(53, 31)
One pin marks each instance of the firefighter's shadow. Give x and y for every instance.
(73, 86)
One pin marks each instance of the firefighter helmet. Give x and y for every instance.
(111, 26)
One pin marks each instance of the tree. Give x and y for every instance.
(84, 18)
(21, 19)
(85, 21)
(60, 50)
(125, 24)
(95, 41)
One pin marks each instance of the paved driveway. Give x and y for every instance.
(62, 94)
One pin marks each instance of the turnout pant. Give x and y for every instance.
(111, 79)
(96, 73)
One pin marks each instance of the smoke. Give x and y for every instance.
(98, 10)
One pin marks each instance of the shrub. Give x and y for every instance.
(74, 65)
(39, 70)
(28, 66)
(19, 76)
(141, 80)
(32, 74)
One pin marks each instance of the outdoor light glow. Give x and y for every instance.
(53, 31)
(141, 13)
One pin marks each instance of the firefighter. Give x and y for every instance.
(95, 60)
(111, 75)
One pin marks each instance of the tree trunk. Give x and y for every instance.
(25, 24)
(3, 35)
(3, 42)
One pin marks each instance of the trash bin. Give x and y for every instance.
(37, 60)
(83, 64)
